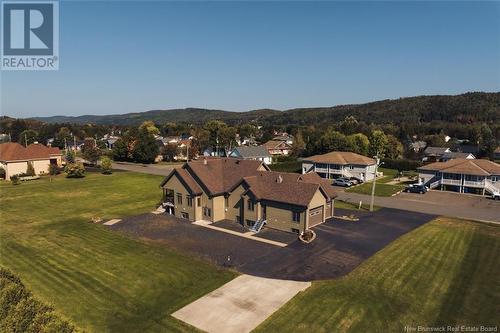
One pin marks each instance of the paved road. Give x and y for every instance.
(153, 169)
(452, 204)
(340, 246)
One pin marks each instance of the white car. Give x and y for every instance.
(495, 195)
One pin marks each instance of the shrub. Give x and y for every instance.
(75, 170)
(20, 311)
(30, 170)
(106, 165)
(70, 156)
(2, 173)
(53, 170)
(15, 180)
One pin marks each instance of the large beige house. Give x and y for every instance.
(246, 192)
(14, 158)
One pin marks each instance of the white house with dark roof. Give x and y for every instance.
(340, 164)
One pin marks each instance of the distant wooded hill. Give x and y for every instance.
(466, 108)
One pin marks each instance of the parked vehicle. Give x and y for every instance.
(342, 182)
(355, 180)
(416, 188)
(495, 196)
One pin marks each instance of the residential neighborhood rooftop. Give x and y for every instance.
(250, 151)
(341, 158)
(479, 167)
(13, 151)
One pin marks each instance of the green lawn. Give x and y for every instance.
(98, 279)
(382, 189)
(443, 273)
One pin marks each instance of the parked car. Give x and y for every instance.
(355, 180)
(495, 196)
(342, 182)
(416, 188)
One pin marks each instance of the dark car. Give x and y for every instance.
(416, 188)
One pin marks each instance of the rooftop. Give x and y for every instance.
(250, 151)
(478, 167)
(13, 151)
(342, 158)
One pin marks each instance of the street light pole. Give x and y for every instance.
(374, 181)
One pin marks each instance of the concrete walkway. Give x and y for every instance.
(248, 235)
(111, 222)
(240, 305)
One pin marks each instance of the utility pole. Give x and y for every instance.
(374, 181)
(25, 141)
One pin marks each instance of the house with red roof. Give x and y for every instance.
(14, 158)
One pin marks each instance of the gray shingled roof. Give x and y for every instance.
(251, 151)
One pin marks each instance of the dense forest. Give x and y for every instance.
(467, 108)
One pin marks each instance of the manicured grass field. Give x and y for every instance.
(382, 189)
(443, 273)
(98, 279)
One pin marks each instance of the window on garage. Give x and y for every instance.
(179, 198)
(296, 216)
(189, 200)
(251, 205)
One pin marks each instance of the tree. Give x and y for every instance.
(30, 170)
(106, 165)
(90, 152)
(378, 143)
(53, 170)
(145, 149)
(349, 125)
(69, 156)
(227, 137)
(2, 173)
(299, 145)
(248, 130)
(394, 147)
(333, 141)
(28, 137)
(75, 170)
(120, 150)
(435, 140)
(358, 143)
(169, 152)
(149, 127)
(487, 141)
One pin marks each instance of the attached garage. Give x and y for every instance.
(316, 216)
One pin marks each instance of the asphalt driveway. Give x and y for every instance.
(339, 248)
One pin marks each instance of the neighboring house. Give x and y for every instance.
(284, 137)
(110, 142)
(418, 146)
(433, 154)
(496, 154)
(340, 164)
(275, 147)
(246, 192)
(210, 152)
(454, 155)
(462, 175)
(471, 149)
(14, 158)
(258, 153)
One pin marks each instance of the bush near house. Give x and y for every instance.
(106, 165)
(2, 173)
(75, 170)
(21, 312)
(15, 179)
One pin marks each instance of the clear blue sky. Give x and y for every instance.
(118, 57)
